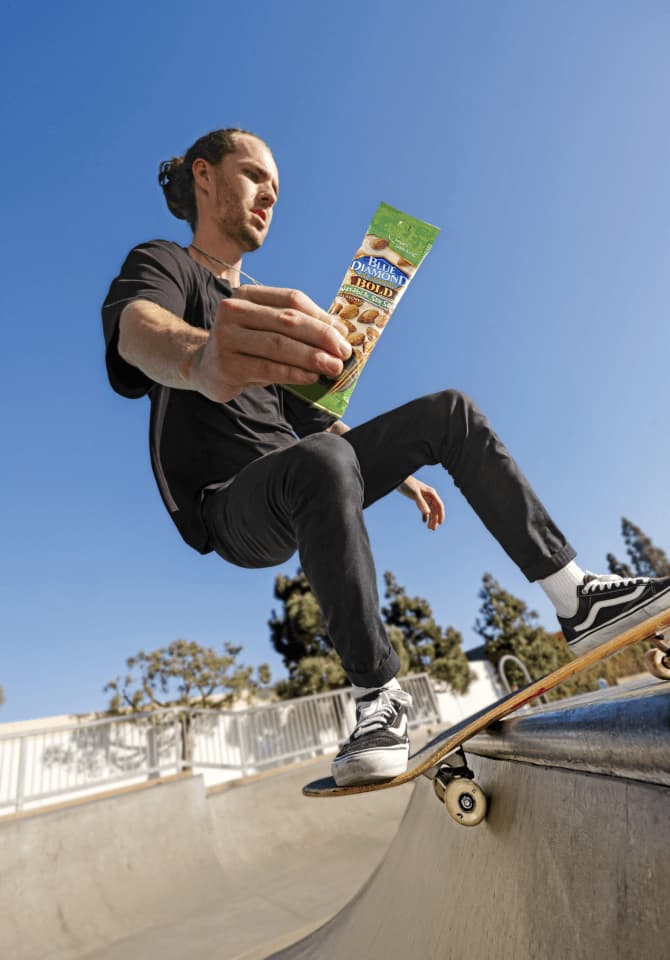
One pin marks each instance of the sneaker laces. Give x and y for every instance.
(380, 712)
(594, 583)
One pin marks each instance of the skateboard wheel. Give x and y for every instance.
(439, 787)
(657, 663)
(465, 801)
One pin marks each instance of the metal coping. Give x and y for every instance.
(621, 732)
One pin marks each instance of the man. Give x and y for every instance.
(255, 473)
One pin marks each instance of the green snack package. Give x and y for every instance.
(391, 252)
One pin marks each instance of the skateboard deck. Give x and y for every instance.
(427, 760)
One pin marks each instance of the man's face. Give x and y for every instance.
(245, 186)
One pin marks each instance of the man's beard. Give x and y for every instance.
(231, 221)
(248, 238)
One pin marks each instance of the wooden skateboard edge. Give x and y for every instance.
(450, 739)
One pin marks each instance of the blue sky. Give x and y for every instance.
(534, 134)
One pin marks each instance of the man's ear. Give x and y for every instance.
(202, 173)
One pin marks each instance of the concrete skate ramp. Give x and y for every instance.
(570, 864)
(80, 876)
(167, 871)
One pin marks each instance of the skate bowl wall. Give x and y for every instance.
(152, 871)
(570, 864)
(77, 877)
(573, 862)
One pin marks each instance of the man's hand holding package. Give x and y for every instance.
(265, 335)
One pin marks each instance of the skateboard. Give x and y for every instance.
(443, 760)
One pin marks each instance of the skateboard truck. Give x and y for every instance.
(455, 787)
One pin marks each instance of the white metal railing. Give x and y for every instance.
(75, 758)
(80, 758)
(505, 661)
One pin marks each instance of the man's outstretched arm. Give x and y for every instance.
(158, 343)
(262, 335)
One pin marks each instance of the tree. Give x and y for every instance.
(646, 559)
(427, 647)
(312, 675)
(397, 640)
(449, 662)
(298, 634)
(509, 627)
(183, 674)
(2, 696)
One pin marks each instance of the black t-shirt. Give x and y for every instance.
(194, 442)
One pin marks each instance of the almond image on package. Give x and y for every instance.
(392, 250)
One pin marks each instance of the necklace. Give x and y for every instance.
(224, 264)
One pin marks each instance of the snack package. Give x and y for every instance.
(381, 269)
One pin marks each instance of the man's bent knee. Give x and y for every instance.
(325, 460)
(446, 407)
(456, 400)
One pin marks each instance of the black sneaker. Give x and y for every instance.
(609, 605)
(379, 746)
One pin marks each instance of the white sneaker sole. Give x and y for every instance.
(370, 765)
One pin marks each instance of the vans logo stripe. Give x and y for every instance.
(401, 729)
(601, 604)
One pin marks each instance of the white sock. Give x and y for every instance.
(359, 692)
(561, 588)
